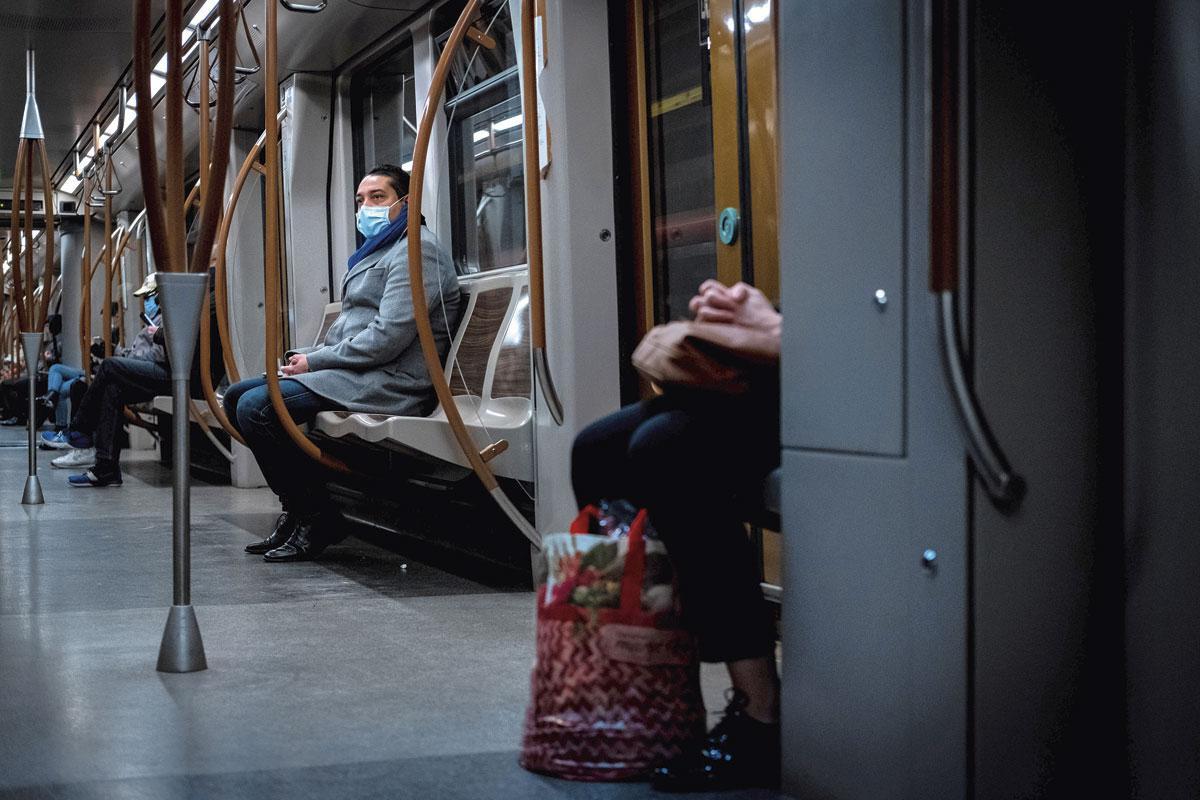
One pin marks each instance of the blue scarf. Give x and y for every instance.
(384, 238)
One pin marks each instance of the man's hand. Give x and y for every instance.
(740, 304)
(151, 329)
(297, 365)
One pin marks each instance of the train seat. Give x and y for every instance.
(489, 372)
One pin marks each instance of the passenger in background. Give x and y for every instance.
(689, 458)
(370, 361)
(132, 375)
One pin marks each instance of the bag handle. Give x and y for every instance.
(635, 567)
(635, 557)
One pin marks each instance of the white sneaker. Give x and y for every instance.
(76, 459)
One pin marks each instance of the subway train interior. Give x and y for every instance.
(976, 542)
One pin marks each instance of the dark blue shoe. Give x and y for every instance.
(80, 441)
(91, 478)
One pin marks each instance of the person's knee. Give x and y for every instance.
(254, 412)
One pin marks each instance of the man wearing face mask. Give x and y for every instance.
(370, 361)
(132, 375)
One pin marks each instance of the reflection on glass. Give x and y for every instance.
(487, 169)
(681, 155)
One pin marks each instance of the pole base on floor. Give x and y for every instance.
(33, 492)
(182, 649)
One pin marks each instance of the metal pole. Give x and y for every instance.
(32, 343)
(182, 296)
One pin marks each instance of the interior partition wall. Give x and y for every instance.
(933, 644)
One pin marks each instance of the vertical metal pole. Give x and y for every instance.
(182, 296)
(32, 343)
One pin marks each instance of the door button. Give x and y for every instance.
(727, 226)
(929, 560)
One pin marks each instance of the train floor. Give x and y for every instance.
(361, 675)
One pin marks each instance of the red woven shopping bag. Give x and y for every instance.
(615, 691)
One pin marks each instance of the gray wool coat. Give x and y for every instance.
(371, 358)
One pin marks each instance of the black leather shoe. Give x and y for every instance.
(308, 540)
(279, 534)
(739, 752)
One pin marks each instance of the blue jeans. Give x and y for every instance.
(59, 382)
(292, 475)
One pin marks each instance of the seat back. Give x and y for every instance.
(330, 315)
(489, 355)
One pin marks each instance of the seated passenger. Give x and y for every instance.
(687, 457)
(370, 361)
(132, 375)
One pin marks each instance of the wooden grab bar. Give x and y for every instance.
(417, 279)
(272, 264)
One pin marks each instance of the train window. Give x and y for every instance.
(488, 196)
(483, 105)
(473, 65)
(384, 108)
(681, 155)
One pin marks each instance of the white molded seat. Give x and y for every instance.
(489, 370)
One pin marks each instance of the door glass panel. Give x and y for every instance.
(680, 149)
(487, 178)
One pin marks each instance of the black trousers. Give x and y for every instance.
(119, 381)
(691, 460)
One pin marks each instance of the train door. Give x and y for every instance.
(704, 115)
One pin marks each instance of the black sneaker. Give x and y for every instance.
(738, 753)
(94, 478)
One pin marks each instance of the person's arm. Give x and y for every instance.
(393, 329)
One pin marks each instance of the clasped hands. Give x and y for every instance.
(740, 304)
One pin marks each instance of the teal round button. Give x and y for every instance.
(727, 226)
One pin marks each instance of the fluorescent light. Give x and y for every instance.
(70, 185)
(507, 124)
(161, 66)
(406, 166)
(111, 128)
(156, 84)
(481, 135)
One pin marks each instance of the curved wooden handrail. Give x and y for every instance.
(417, 279)
(106, 312)
(85, 286)
(16, 229)
(211, 196)
(221, 285)
(48, 235)
(533, 213)
(271, 255)
(147, 148)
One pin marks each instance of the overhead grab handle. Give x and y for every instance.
(1004, 487)
(304, 8)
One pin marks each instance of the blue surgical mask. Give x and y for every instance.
(372, 220)
(151, 306)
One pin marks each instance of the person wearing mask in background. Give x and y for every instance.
(132, 375)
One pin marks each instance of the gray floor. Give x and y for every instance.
(362, 675)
